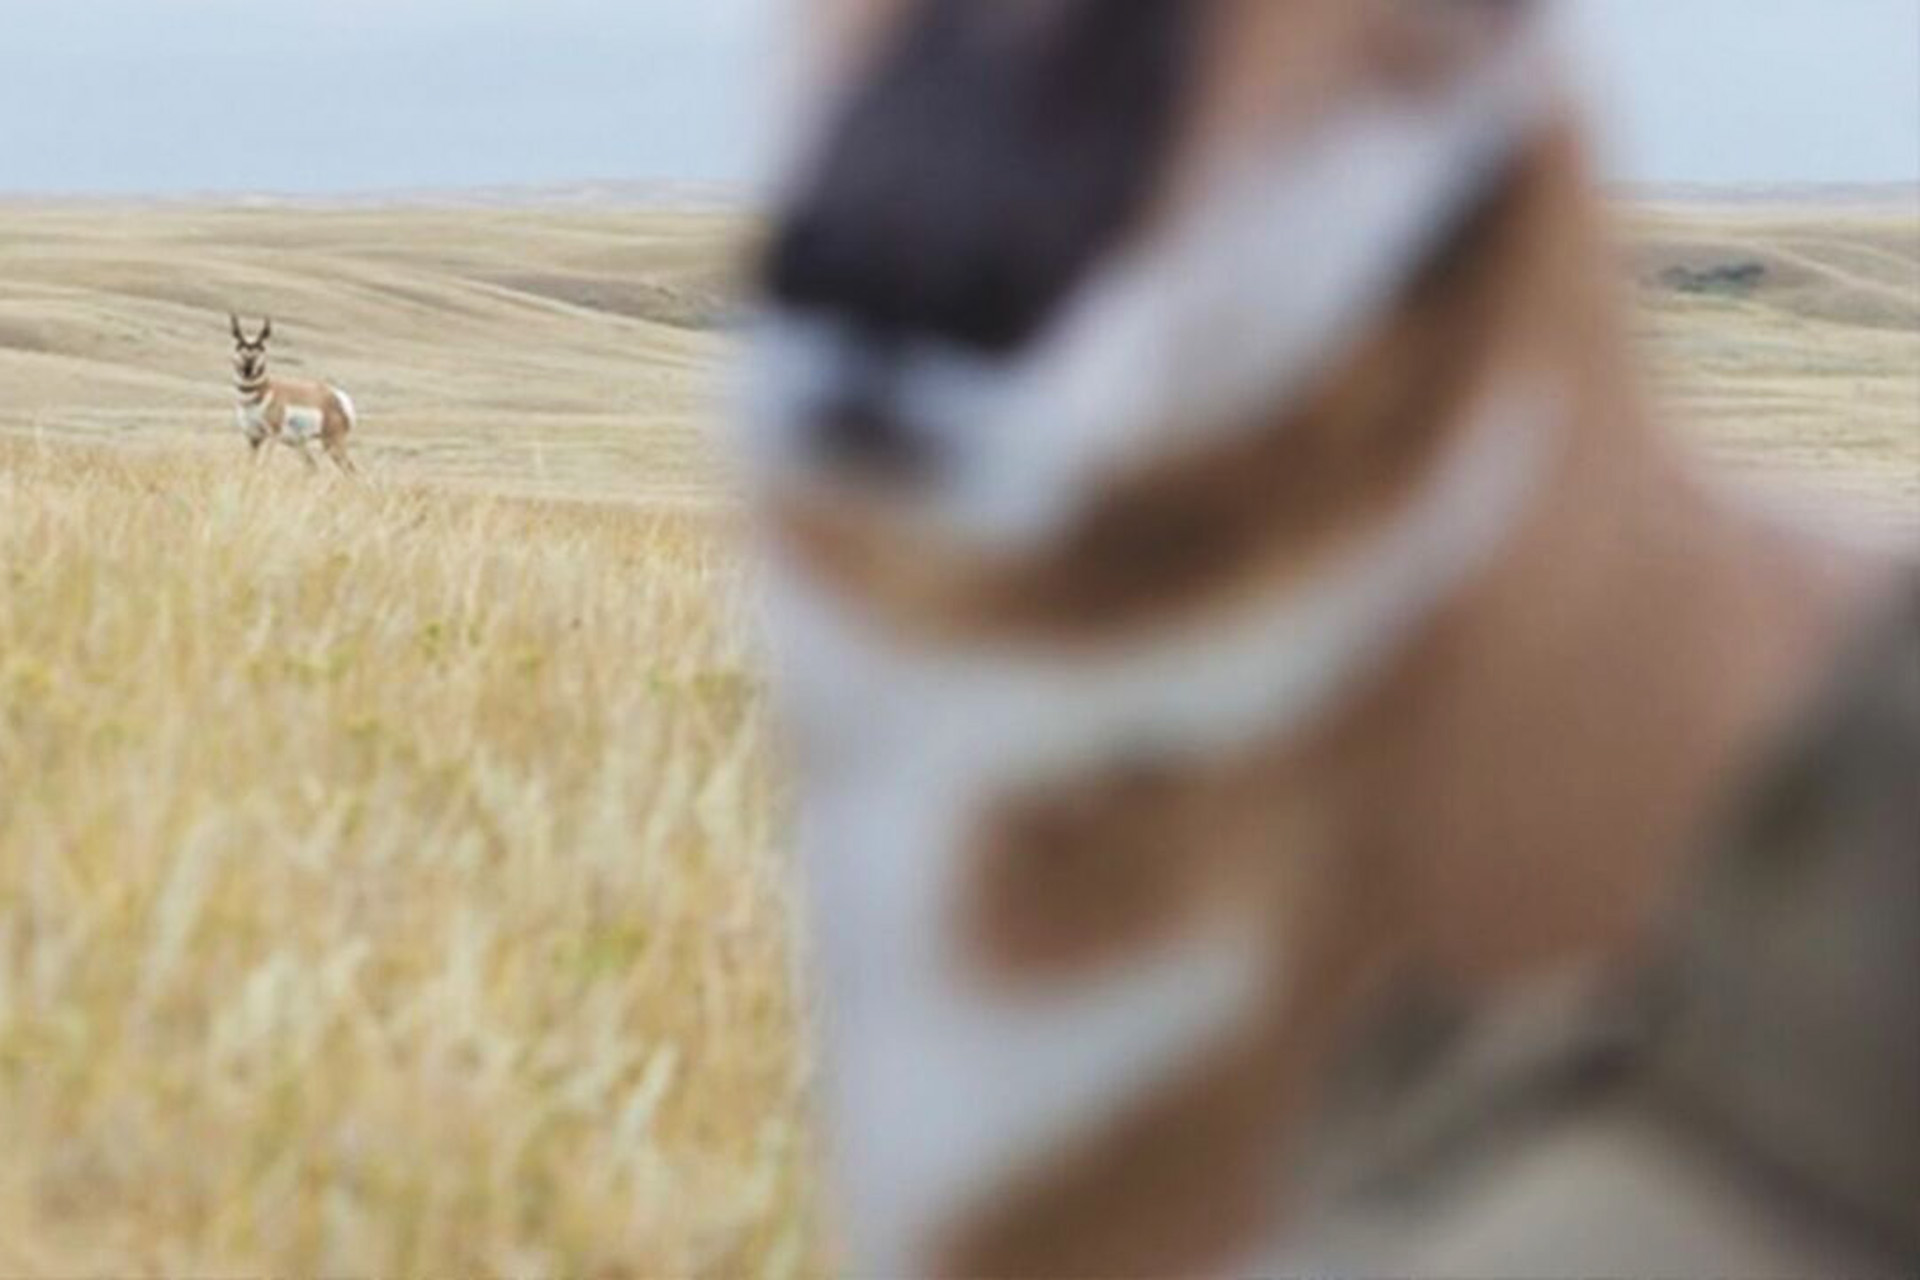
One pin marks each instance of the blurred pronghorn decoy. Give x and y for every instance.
(1251, 659)
(296, 413)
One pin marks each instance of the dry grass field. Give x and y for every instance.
(1811, 373)
(387, 884)
(543, 353)
(389, 873)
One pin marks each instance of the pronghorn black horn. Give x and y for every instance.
(266, 330)
(239, 335)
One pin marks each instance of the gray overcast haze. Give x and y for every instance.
(345, 95)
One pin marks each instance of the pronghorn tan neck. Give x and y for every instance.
(1598, 689)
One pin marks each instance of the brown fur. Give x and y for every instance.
(335, 425)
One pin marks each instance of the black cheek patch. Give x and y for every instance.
(984, 166)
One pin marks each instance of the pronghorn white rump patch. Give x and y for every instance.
(1237, 305)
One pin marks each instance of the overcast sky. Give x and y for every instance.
(336, 95)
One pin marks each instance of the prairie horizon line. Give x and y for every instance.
(717, 196)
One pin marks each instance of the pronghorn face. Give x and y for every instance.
(250, 354)
(1034, 243)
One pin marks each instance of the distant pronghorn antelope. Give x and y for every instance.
(1227, 594)
(296, 413)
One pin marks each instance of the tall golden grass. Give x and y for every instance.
(387, 885)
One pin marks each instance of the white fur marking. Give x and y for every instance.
(942, 1088)
(855, 689)
(302, 423)
(252, 417)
